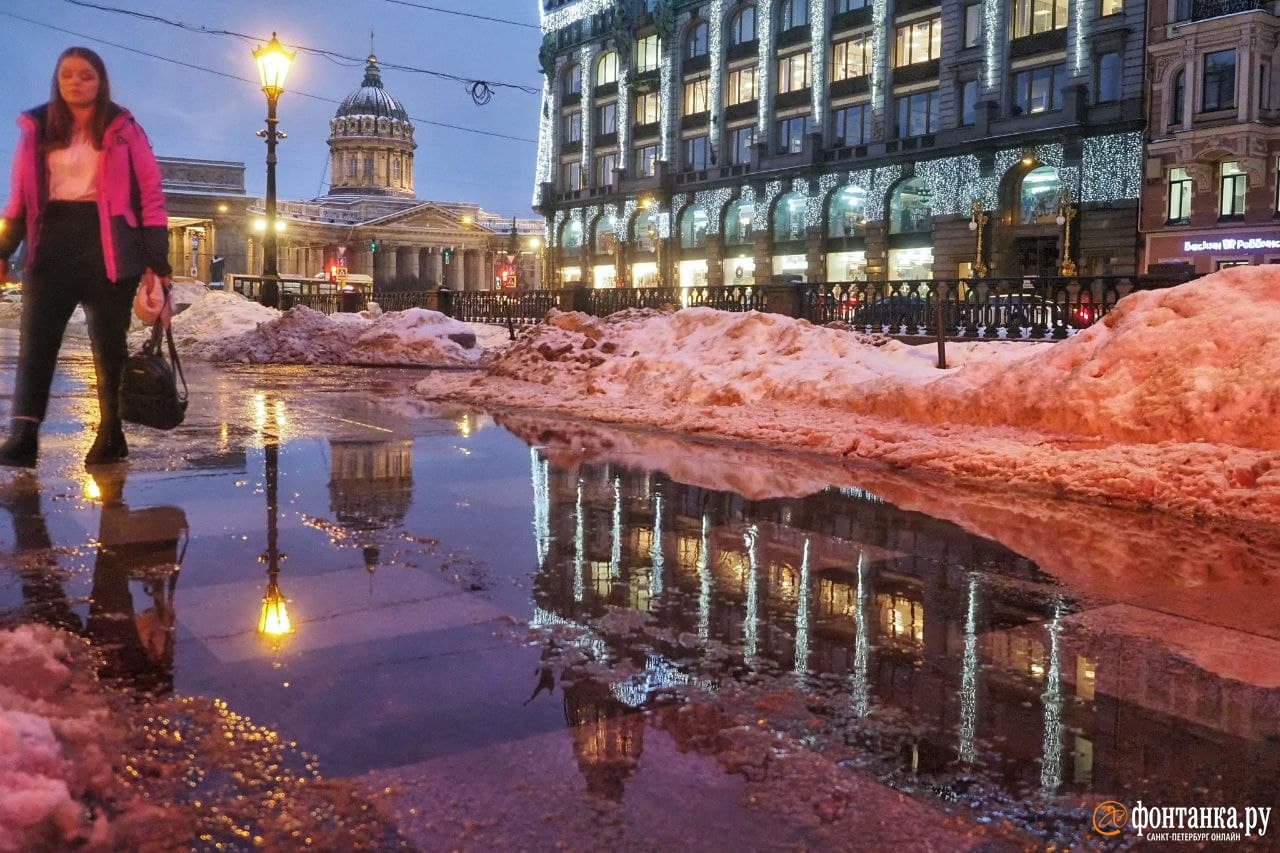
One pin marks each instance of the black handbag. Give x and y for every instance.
(149, 393)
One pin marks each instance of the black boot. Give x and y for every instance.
(109, 446)
(22, 447)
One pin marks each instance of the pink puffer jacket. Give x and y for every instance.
(131, 212)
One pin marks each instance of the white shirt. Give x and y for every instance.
(73, 171)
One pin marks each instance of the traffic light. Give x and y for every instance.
(333, 272)
(447, 254)
(373, 245)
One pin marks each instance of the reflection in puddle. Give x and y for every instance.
(1019, 658)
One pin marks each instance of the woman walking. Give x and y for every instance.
(86, 198)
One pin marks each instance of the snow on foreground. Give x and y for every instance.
(1171, 402)
(56, 744)
(220, 326)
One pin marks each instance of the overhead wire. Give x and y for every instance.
(136, 51)
(465, 14)
(470, 83)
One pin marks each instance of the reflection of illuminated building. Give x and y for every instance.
(370, 486)
(608, 737)
(911, 615)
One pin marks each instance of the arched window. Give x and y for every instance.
(571, 235)
(788, 217)
(792, 13)
(742, 29)
(695, 43)
(739, 223)
(644, 231)
(693, 227)
(847, 213)
(910, 208)
(1038, 198)
(606, 236)
(607, 69)
(1177, 94)
(571, 83)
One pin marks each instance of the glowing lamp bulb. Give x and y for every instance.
(273, 621)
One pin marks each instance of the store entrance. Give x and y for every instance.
(1036, 256)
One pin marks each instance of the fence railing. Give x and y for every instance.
(996, 308)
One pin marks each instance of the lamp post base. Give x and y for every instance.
(269, 295)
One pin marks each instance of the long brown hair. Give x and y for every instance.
(60, 123)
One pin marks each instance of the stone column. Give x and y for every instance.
(360, 262)
(475, 269)
(431, 268)
(251, 258)
(384, 276)
(408, 264)
(453, 272)
(715, 260)
(763, 253)
(815, 259)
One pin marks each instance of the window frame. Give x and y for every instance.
(1023, 21)
(971, 33)
(971, 110)
(571, 82)
(648, 53)
(693, 41)
(841, 65)
(604, 177)
(697, 90)
(647, 98)
(687, 146)
(571, 168)
(792, 14)
(931, 113)
(1103, 80)
(597, 78)
(793, 141)
(1239, 181)
(1017, 91)
(602, 112)
(904, 51)
(1224, 82)
(840, 124)
(733, 85)
(736, 146)
(571, 121)
(787, 66)
(746, 14)
(1184, 195)
(641, 170)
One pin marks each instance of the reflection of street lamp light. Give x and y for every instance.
(273, 621)
(1066, 213)
(977, 221)
(273, 66)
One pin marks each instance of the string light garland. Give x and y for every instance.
(586, 66)
(764, 66)
(569, 15)
(879, 47)
(991, 15)
(1078, 12)
(715, 40)
(818, 39)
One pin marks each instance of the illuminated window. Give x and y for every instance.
(918, 42)
(850, 58)
(646, 54)
(1038, 16)
(1111, 7)
(739, 221)
(607, 69)
(1234, 185)
(571, 235)
(647, 108)
(901, 620)
(789, 217)
(1179, 195)
(1041, 189)
(693, 227)
(741, 88)
(847, 213)
(911, 208)
(794, 72)
(695, 96)
(1086, 678)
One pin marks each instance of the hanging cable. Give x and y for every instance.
(135, 51)
(334, 56)
(464, 14)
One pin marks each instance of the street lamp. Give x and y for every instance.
(1066, 213)
(977, 222)
(273, 66)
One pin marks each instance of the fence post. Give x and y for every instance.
(581, 298)
(445, 297)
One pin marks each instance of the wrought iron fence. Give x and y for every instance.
(1018, 308)
(401, 300)
(522, 307)
(732, 298)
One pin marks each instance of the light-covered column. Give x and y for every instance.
(818, 21)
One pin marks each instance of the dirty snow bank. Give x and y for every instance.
(56, 744)
(1171, 402)
(220, 326)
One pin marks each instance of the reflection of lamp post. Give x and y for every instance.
(273, 66)
(273, 621)
(1066, 213)
(977, 222)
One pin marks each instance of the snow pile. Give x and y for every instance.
(304, 336)
(1171, 402)
(212, 319)
(55, 745)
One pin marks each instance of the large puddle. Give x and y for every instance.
(480, 611)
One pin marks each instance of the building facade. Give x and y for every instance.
(1211, 195)
(727, 141)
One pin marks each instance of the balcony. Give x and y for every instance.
(1201, 10)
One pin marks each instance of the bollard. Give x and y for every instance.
(942, 334)
(286, 300)
(445, 296)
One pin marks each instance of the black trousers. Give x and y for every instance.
(69, 271)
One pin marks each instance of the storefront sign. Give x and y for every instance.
(1231, 244)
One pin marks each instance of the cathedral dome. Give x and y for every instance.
(371, 99)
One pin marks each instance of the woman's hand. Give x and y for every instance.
(153, 302)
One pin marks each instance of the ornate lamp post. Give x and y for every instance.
(977, 222)
(273, 66)
(1066, 213)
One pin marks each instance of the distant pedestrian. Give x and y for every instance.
(86, 198)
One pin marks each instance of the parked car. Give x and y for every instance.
(1016, 311)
